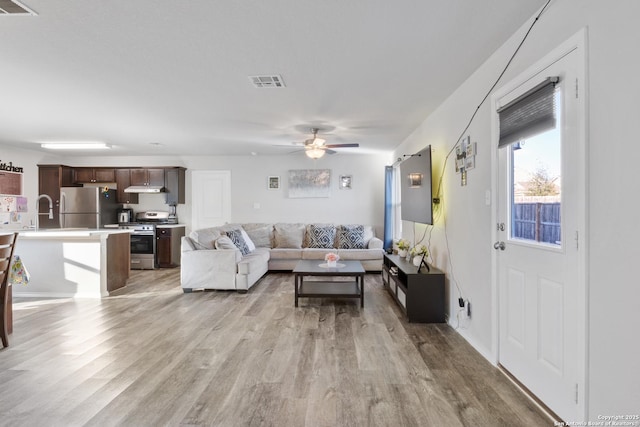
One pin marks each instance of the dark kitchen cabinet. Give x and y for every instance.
(123, 180)
(50, 179)
(174, 185)
(94, 175)
(154, 176)
(168, 246)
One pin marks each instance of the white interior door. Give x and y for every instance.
(211, 198)
(539, 279)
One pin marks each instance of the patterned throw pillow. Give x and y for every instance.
(321, 236)
(351, 237)
(238, 240)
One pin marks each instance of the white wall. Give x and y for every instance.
(362, 204)
(613, 92)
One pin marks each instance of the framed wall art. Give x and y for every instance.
(309, 183)
(273, 183)
(345, 182)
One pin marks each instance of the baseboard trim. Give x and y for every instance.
(487, 354)
(539, 403)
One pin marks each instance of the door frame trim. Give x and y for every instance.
(577, 43)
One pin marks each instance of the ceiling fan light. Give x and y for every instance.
(319, 141)
(314, 153)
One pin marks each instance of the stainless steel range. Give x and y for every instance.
(143, 246)
(143, 238)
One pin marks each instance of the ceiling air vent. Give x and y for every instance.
(12, 7)
(267, 81)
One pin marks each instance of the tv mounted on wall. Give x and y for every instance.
(415, 189)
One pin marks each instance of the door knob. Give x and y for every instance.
(499, 245)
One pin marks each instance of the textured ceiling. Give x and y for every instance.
(133, 73)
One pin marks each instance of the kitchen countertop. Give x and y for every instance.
(79, 263)
(112, 226)
(61, 233)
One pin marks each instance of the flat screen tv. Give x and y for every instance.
(415, 188)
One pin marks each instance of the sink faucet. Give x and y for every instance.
(43, 196)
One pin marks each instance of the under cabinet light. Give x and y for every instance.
(75, 146)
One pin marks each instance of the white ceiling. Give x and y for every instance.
(135, 72)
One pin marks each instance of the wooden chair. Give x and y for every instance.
(7, 244)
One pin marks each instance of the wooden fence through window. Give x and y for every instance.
(539, 222)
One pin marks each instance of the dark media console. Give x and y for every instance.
(420, 294)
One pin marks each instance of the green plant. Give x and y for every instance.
(403, 244)
(419, 250)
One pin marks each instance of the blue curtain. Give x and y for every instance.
(388, 207)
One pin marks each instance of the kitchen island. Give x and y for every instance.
(77, 263)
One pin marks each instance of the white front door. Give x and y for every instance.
(210, 198)
(540, 219)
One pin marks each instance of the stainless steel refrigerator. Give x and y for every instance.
(87, 207)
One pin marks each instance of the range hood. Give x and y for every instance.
(144, 189)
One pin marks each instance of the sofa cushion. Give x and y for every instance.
(254, 262)
(316, 253)
(375, 243)
(321, 236)
(284, 253)
(190, 244)
(224, 242)
(260, 234)
(238, 240)
(288, 235)
(368, 234)
(351, 237)
(360, 254)
(205, 238)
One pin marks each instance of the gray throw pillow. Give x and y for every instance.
(321, 236)
(224, 242)
(238, 240)
(351, 237)
(289, 235)
(260, 235)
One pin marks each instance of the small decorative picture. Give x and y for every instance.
(470, 163)
(345, 182)
(471, 149)
(273, 183)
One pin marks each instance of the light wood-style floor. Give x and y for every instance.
(151, 355)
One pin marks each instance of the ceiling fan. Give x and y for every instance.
(315, 147)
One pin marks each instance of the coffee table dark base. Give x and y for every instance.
(330, 290)
(327, 289)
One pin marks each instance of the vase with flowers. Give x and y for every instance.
(331, 259)
(403, 247)
(417, 252)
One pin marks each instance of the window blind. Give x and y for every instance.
(531, 113)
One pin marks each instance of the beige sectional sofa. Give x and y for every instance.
(236, 256)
